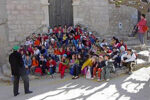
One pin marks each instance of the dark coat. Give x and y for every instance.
(17, 64)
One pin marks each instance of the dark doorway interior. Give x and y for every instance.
(60, 12)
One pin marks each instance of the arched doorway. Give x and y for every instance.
(60, 12)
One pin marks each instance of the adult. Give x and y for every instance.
(18, 70)
(141, 29)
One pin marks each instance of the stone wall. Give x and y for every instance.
(24, 16)
(92, 13)
(3, 32)
(104, 17)
(121, 20)
(18, 19)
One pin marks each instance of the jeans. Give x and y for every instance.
(76, 70)
(141, 37)
(32, 70)
(106, 72)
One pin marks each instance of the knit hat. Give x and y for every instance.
(16, 48)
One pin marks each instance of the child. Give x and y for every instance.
(106, 69)
(115, 57)
(127, 59)
(80, 46)
(37, 42)
(51, 65)
(122, 44)
(42, 64)
(72, 64)
(27, 63)
(63, 65)
(98, 67)
(50, 51)
(60, 37)
(103, 43)
(65, 40)
(35, 64)
(76, 68)
(44, 51)
(68, 52)
(36, 51)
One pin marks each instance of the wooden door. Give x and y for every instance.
(60, 12)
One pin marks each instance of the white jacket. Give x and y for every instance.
(130, 58)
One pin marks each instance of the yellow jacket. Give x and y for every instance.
(87, 63)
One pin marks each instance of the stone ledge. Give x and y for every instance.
(119, 72)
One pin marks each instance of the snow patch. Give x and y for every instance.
(144, 53)
(140, 61)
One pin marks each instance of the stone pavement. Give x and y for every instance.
(134, 87)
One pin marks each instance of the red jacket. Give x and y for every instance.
(55, 31)
(53, 63)
(79, 30)
(62, 52)
(141, 24)
(30, 50)
(76, 37)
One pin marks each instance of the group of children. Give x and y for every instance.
(74, 49)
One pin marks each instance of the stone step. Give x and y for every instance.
(139, 48)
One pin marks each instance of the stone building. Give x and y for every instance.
(19, 18)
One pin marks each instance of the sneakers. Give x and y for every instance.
(107, 80)
(93, 77)
(75, 77)
(98, 80)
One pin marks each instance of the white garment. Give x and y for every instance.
(27, 43)
(130, 58)
(88, 73)
(36, 52)
(102, 44)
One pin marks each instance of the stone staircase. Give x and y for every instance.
(132, 42)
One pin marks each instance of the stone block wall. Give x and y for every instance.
(24, 16)
(104, 18)
(121, 20)
(3, 32)
(92, 13)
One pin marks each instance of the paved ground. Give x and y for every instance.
(134, 87)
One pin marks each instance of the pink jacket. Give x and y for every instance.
(140, 25)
